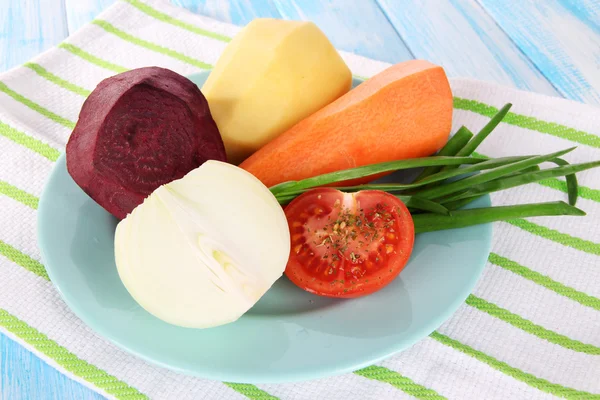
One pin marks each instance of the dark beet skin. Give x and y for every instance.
(137, 131)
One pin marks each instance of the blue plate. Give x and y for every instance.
(289, 335)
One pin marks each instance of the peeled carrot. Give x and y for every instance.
(402, 112)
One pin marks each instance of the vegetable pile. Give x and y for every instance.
(202, 240)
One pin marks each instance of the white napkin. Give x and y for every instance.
(531, 328)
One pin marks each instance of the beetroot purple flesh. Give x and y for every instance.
(137, 131)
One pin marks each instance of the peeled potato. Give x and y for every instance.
(273, 74)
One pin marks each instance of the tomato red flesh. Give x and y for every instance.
(347, 244)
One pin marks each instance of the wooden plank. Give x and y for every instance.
(238, 12)
(587, 11)
(357, 26)
(562, 38)
(24, 376)
(80, 12)
(29, 27)
(465, 40)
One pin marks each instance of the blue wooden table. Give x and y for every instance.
(550, 46)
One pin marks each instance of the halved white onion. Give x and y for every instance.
(202, 250)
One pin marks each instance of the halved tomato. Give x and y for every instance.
(347, 244)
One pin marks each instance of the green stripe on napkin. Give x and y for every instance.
(67, 360)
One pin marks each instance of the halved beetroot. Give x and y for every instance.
(137, 131)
